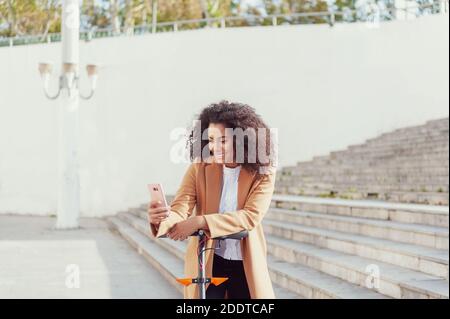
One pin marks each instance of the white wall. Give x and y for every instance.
(323, 88)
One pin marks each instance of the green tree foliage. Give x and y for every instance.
(22, 17)
(31, 17)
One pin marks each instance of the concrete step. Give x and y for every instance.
(398, 212)
(365, 169)
(428, 150)
(391, 280)
(418, 197)
(411, 135)
(393, 183)
(418, 140)
(399, 138)
(399, 154)
(386, 163)
(160, 259)
(374, 164)
(435, 194)
(438, 123)
(304, 281)
(427, 128)
(428, 198)
(374, 186)
(364, 179)
(394, 150)
(410, 146)
(351, 175)
(423, 259)
(313, 284)
(136, 231)
(439, 194)
(432, 156)
(412, 181)
(369, 161)
(399, 182)
(422, 235)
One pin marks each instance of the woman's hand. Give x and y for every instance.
(157, 212)
(181, 230)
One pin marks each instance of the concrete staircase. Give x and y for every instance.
(404, 245)
(333, 249)
(407, 165)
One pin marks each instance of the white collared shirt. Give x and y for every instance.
(229, 248)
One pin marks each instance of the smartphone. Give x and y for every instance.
(157, 193)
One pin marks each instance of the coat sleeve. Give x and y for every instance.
(247, 218)
(183, 203)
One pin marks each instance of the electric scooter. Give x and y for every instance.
(201, 279)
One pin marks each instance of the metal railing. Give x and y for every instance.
(324, 17)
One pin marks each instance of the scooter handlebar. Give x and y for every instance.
(237, 236)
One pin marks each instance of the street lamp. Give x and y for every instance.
(69, 79)
(68, 207)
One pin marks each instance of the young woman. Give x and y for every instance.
(226, 189)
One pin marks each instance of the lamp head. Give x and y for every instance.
(45, 69)
(69, 68)
(92, 69)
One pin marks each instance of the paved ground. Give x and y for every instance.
(37, 261)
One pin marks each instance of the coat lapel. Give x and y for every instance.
(245, 182)
(213, 189)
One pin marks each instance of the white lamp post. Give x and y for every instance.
(68, 210)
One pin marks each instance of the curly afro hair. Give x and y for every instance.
(235, 116)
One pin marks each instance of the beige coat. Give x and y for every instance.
(199, 194)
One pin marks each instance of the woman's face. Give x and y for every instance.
(219, 144)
